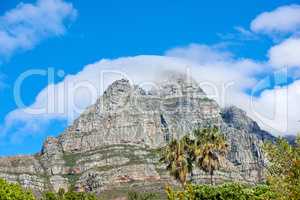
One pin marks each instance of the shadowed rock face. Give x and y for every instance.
(111, 145)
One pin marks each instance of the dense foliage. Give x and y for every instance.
(283, 172)
(232, 191)
(71, 195)
(10, 191)
(61, 195)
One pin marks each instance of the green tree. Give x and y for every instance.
(283, 171)
(176, 160)
(191, 151)
(211, 149)
(206, 151)
(10, 191)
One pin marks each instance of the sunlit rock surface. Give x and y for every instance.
(112, 144)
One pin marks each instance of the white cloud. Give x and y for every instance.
(285, 19)
(278, 109)
(26, 25)
(222, 77)
(286, 54)
(214, 69)
(72, 93)
(201, 53)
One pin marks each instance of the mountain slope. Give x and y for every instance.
(111, 145)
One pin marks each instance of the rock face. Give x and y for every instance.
(112, 144)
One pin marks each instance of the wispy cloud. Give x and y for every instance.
(239, 34)
(26, 25)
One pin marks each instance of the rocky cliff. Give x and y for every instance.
(111, 146)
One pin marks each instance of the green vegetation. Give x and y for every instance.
(206, 99)
(10, 191)
(70, 159)
(72, 178)
(283, 174)
(174, 155)
(232, 191)
(209, 147)
(205, 151)
(71, 195)
(62, 195)
(141, 196)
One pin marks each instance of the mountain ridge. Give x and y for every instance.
(111, 145)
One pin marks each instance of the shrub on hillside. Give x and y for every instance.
(132, 195)
(232, 191)
(69, 196)
(10, 191)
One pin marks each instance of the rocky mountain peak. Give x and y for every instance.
(115, 94)
(118, 87)
(238, 118)
(111, 144)
(178, 84)
(50, 145)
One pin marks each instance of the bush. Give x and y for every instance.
(141, 196)
(10, 191)
(50, 196)
(69, 196)
(232, 191)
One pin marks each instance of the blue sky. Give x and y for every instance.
(112, 29)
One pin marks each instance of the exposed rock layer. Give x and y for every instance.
(111, 145)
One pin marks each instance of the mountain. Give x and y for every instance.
(112, 145)
(291, 139)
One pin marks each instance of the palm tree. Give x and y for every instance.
(175, 157)
(211, 149)
(191, 150)
(207, 150)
